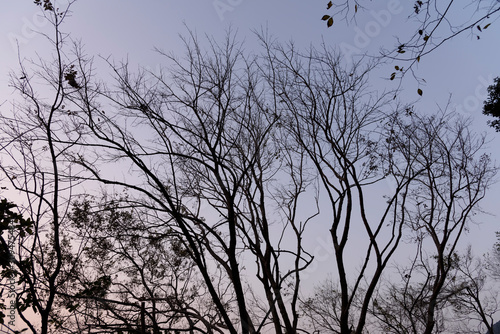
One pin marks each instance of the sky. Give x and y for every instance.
(458, 72)
(128, 29)
(123, 28)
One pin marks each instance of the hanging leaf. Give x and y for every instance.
(330, 4)
(393, 75)
(325, 17)
(479, 27)
(330, 22)
(486, 26)
(420, 92)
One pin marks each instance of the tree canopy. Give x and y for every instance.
(198, 198)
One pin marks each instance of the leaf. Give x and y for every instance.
(355, 8)
(418, 59)
(479, 27)
(325, 17)
(426, 37)
(420, 92)
(420, 32)
(393, 75)
(396, 67)
(330, 4)
(330, 22)
(486, 26)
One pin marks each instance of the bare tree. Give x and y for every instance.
(337, 121)
(446, 196)
(223, 157)
(477, 298)
(440, 205)
(224, 133)
(36, 134)
(468, 301)
(208, 158)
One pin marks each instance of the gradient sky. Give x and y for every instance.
(132, 29)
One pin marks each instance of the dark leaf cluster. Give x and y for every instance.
(492, 104)
(46, 4)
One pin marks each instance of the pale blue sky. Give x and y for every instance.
(126, 28)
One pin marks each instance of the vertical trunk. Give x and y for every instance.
(143, 318)
(246, 323)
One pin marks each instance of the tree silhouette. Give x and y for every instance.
(225, 159)
(492, 104)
